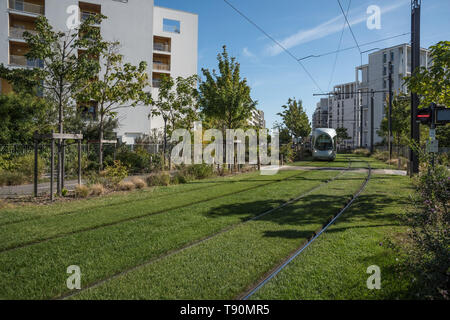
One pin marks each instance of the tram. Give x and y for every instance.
(324, 144)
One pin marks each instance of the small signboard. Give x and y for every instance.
(433, 146)
(433, 134)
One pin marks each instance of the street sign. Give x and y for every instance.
(442, 115)
(433, 146)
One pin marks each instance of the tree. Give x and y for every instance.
(295, 119)
(119, 84)
(400, 119)
(342, 134)
(432, 84)
(22, 114)
(224, 97)
(176, 104)
(64, 71)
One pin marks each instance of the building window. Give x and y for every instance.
(384, 57)
(384, 71)
(392, 55)
(173, 26)
(384, 84)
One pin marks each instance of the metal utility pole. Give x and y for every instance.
(415, 64)
(390, 112)
(371, 122)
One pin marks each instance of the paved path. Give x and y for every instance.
(375, 171)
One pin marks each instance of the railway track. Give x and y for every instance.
(203, 240)
(134, 218)
(273, 273)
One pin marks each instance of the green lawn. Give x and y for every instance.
(223, 267)
(334, 266)
(38, 270)
(149, 244)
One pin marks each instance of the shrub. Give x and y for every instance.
(159, 179)
(361, 151)
(181, 178)
(82, 191)
(382, 156)
(114, 174)
(137, 160)
(97, 189)
(287, 152)
(426, 247)
(126, 186)
(200, 171)
(139, 183)
(64, 192)
(13, 178)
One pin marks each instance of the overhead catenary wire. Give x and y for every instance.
(350, 48)
(351, 30)
(339, 48)
(276, 42)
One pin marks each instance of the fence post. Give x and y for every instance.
(79, 161)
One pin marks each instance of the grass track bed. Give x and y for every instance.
(227, 265)
(39, 271)
(29, 232)
(32, 212)
(334, 266)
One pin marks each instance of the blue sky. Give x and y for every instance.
(306, 27)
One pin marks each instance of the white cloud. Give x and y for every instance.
(327, 28)
(247, 53)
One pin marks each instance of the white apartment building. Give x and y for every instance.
(375, 76)
(343, 112)
(257, 119)
(166, 39)
(320, 115)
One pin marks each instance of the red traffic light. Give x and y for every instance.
(424, 116)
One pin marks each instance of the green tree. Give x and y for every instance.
(295, 119)
(64, 71)
(432, 84)
(224, 96)
(119, 84)
(176, 104)
(400, 119)
(22, 114)
(342, 134)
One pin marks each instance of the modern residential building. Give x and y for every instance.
(375, 76)
(343, 112)
(166, 39)
(320, 116)
(257, 119)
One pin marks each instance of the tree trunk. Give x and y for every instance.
(165, 142)
(100, 145)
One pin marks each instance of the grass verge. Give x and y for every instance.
(334, 266)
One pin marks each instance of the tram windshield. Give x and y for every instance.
(324, 143)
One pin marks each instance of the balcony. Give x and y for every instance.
(158, 65)
(27, 7)
(23, 61)
(161, 47)
(17, 33)
(161, 44)
(156, 83)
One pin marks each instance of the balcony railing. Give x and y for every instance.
(25, 62)
(156, 83)
(26, 7)
(161, 66)
(161, 47)
(17, 33)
